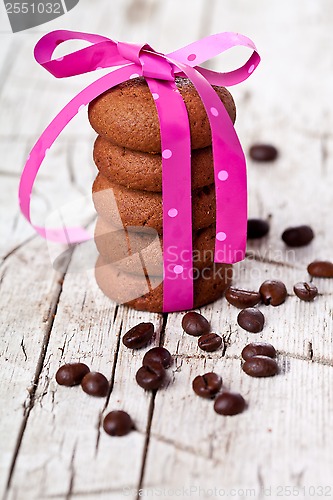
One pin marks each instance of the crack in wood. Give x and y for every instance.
(95, 492)
(260, 479)
(17, 248)
(112, 381)
(324, 154)
(23, 349)
(146, 446)
(72, 474)
(150, 415)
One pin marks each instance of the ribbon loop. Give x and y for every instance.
(130, 51)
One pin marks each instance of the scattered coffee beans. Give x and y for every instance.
(241, 298)
(258, 348)
(305, 291)
(150, 376)
(71, 374)
(273, 292)
(251, 319)
(195, 324)
(210, 342)
(157, 355)
(260, 366)
(207, 385)
(139, 335)
(321, 269)
(229, 403)
(298, 236)
(117, 423)
(263, 152)
(95, 384)
(257, 228)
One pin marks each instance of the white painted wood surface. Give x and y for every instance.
(51, 443)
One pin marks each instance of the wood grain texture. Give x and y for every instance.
(51, 441)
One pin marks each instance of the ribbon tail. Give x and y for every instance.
(229, 174)
(44, 143)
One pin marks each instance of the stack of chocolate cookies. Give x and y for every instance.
(127, 194)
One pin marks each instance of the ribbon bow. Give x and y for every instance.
(160, 70)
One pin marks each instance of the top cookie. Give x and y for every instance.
(127, 116)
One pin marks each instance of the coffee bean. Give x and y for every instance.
(209, 342)
(263, 152)
(150, 376)
(241, 298)
(71, 374)
(195, 324)
(207, 385)
(257, 228)
(305, 291)
(260, 366)
(321, 269)
(251, 319)
(95, 384)
(258, 348)
(157, 355)
(298, 236)
(229, 403)
(117, 423)
(273, 292)
(139, 335)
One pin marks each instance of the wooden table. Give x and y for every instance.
(51, 441)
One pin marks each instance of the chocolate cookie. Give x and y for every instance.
(137, 170)
(146, 294)
(130, 251)
(127, 115)
(129, 207)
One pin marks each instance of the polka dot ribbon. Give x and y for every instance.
(160, 70)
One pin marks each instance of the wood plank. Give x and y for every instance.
(27, 308)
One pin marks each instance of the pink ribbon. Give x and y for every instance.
(159, 71)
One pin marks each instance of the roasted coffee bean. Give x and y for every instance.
(139, 335)
(117, 423)
(273, 292)
(260, 366)
(298, 236)
(229, 403)
(251, 319)
(305, 291)
(207, 385)
(71, 374)
(257, 228)
(95, 384)
(150, 376)
(157, 355)
(241, 298)
(321, 269)
(258, 349)
(263, 152)
(195, 324)
(209, 342)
